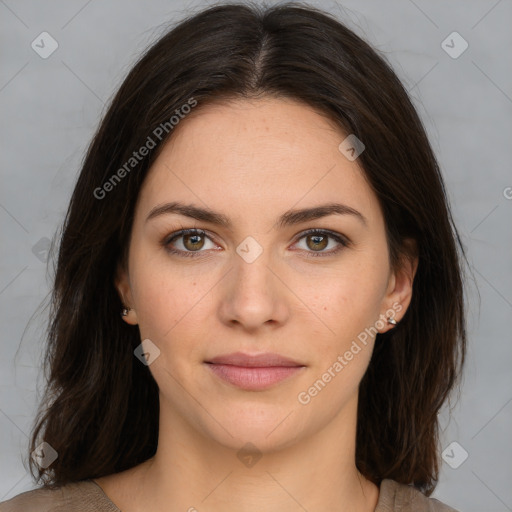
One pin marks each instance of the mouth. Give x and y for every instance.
(253, 372)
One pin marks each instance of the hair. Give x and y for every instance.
(98, 398)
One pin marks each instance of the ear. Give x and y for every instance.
(122, 285)
(400, 285)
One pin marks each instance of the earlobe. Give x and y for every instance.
(129, 315)
(122, 285)
(387, 320)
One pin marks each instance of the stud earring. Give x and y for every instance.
(125, 311)
(391, 321)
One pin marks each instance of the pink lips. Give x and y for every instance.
(253, 372)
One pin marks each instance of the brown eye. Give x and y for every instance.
(193, 242)
(188, 242)
(317, 242)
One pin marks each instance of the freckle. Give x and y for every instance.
(325, 308)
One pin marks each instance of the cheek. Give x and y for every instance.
(350, 297)
(344, 308)
(169, 298)
(343, 341)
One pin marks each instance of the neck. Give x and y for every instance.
(193, 473)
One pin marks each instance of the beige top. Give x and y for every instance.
(88, 496)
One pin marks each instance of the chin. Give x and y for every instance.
(269, 428)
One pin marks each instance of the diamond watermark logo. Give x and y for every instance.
(351, 147)
(454, 45)
(249, 455)
(454, 455)
(41, 248)
(147, 352)
(44, 45)
(44, 455)
(249, 249)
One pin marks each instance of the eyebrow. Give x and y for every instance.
(289, 218)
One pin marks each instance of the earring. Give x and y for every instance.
(391, 321)
(125, 311)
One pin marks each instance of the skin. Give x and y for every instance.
(253, 161)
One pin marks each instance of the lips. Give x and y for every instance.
(254, 361)
(253, 372)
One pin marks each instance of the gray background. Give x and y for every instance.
(50, 108)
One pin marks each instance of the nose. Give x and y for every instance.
(254, 295)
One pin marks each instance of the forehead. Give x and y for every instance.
(265, 155)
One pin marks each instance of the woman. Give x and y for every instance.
(258, 301)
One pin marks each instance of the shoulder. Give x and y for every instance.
(85, 496)
(395, 496)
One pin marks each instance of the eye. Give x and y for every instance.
(193, 240)
(318, 239)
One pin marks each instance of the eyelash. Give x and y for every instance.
(344, 242)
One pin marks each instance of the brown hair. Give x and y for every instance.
(99, 397)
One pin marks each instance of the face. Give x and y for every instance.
(259, 282)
